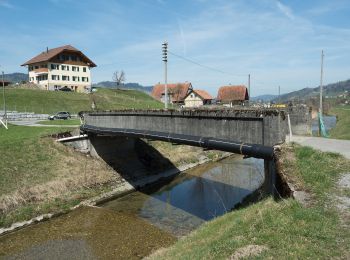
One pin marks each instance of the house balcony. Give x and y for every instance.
(41, 71)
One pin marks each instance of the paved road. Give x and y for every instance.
(35, 123)
(324, 144)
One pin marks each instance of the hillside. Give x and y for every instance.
(264, 98)
(48, 102)
(136, 86)
(16, 77)
(333, 89)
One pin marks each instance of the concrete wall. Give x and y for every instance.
(300, 119)
(266, 127)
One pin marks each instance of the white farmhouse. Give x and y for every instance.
(61, 68)
(197, 98)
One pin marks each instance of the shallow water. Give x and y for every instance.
(195, 196)
(137, 224)
(329, 123)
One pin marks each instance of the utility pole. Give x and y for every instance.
(249, 87)
(321, 83)
(165, 59)
(4, 123)
(279, 94)
(3, 92)
(321, 90)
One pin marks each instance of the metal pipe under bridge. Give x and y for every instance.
(251, 132)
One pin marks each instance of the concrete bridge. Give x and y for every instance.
(251, 132)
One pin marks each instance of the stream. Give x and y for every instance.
(141, 222)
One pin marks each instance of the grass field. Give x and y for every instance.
(49, 102)
(60, 122)
(38, 175)
(342, 128)
(278, 230)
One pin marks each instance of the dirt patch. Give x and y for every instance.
(342, 196)
(344, 181)
(248, 252)
(286, 164)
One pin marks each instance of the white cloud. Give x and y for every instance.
(285, 10)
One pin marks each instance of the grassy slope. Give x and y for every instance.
(41, 101)
(36, 174)
(342, 128)
(287, 229)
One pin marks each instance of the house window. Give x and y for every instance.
(66, 78)
(84, 79)
(55, 67)
(55, 77)
(64, 57)
(75, 78)
(30, 68)
(84, 69)
(74, 68)
(74, 58)
(36, 67)
(43, 66)
(64, 67)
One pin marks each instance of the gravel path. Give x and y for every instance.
(324, 144)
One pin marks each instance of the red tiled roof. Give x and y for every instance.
(232, 93)
(178, 91)
(203, 94)
(51, 53)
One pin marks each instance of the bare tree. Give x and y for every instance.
(176, 92)
(119, 78)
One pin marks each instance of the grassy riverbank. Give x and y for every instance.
(342, 128)
(39, 175)
(284, 229)
(49, 102)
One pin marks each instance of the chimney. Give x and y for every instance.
(47, 49)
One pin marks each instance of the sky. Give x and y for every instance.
(278, 42)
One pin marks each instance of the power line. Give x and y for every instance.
(203, 66)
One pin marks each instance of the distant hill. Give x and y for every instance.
(264, 98)
(16, 77)
(136, 86)
(333, 89)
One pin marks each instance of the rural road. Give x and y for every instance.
(324, 144)
(35, 123)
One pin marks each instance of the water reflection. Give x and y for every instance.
(135, 225)
(196, 196)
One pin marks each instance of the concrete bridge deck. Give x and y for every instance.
(246, 128)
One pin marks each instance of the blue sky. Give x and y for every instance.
(277, 42)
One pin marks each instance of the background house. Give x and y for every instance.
(4, 83)
(197, 98)
(176, 92)
(64, 67)
(232, 95)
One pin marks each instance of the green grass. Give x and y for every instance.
(342, 128)
(25, 157)
(49, 102)
(38, 175)
(287, 229)
(60, 122)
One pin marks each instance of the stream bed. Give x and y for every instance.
(139, 223)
